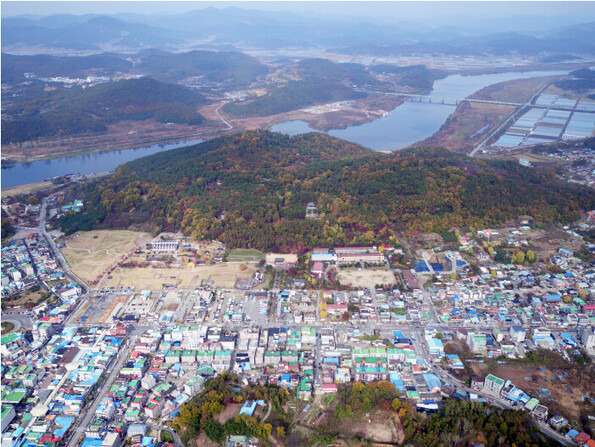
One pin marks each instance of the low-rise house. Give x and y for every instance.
(558, 422)
(477, 383)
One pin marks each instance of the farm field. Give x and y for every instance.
(243, 255)
(91, 253)
(223, 275)
(366, 278)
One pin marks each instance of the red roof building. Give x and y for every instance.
(582, 438)
(328, 388)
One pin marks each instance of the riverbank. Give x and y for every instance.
(135, 134)
(122, 136)
(472, 122)
(30, 188)
(324, 117)
(26, 189)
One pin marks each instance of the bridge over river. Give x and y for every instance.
(443, 100)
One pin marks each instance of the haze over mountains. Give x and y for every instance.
(244, 28)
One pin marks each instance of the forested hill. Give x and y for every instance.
(251, 190)
(314, 81)
(77, 110)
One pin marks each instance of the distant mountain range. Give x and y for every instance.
(243, 28)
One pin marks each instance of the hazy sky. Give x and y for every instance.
(583, 10)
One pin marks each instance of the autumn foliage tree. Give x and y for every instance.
(264, 180)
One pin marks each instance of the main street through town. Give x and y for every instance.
(112, 374)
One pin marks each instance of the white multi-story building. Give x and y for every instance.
(587, 336)
(493, 384)
(165, 246)
(517, 333)
(476, 342)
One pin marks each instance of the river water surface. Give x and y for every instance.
(414, 121)
(14, 174)
(403, 126)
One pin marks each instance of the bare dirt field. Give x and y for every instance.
(367, 278)
(90, 253)
(203, 441)
(223, 275)
(548, 242)
(565, 391)
(379, 426)
(106, 314)
(541, 160)
(230, 411)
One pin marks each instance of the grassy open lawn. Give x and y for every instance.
(90, 253)
(245, 255)
(517, 90)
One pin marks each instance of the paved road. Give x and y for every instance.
(19, 320)
(229, 126)
(172, 432)
(55, 251)
(89, 412)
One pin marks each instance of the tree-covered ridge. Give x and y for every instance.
(14, 66)
(314, 81)
(251, 190)
(199, 413)
(226, 66)
(78, 110)
(256, 152)
(292, 96)
(323, 69)
(414, 76)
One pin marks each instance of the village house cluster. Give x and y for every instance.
(29, 262)
(116, 368)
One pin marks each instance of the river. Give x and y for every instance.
(403, 126)
(414, 121)
(15, 174)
